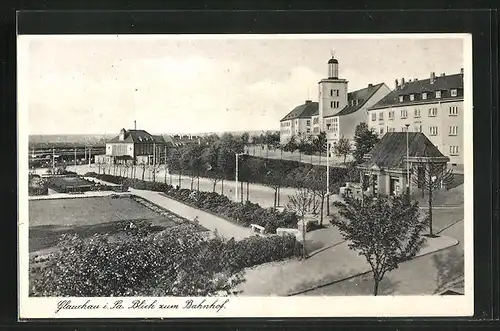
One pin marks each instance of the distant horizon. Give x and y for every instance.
(84, 84)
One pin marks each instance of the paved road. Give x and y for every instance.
(260, 194)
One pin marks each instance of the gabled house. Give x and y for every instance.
(384, 170)
(135, 147)
(299, 121)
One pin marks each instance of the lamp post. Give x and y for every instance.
(236, 187)
(327, 168)
(407, 160)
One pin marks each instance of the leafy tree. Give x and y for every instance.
(301, 203)
(210, 158)
(342, 148)
(245, 138)
(386, 231)
(320, 144)
(364, 140)
(433, 176)
(291, 145)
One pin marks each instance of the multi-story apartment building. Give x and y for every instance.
(432, 106)
(337, 112)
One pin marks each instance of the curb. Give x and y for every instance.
(362, 273)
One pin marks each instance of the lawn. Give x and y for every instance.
(49, 219)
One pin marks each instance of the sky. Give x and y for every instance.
(187, 84)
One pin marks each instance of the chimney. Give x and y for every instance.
(409, 81)
(415, 80)
(461, 71)
(135, 125)
(442, 74)
(402, 82)
(396, 84)
(308, 101)
(370, 85)
(433, 77)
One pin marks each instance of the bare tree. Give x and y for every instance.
(431, 177)
(301, 203)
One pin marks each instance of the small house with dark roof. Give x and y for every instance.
(384, 170)
(433, 106)
(134, 147)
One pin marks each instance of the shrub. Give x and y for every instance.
(37, 185)
(142, 262)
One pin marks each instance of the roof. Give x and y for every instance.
(362, 95)
(390, 151)
(305, 110)
(332, 60)
(441, 83)
(138, 136)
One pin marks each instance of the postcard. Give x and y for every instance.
(304, 175)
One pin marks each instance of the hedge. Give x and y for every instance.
(241, 214)
(154, 264)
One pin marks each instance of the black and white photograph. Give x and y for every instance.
(324, 175)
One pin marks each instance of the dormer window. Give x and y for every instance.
(454, 92)
(412, 97)
(424, 96)
(400, 98)
(438, 94)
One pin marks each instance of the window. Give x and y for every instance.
(403, 129)
(391, 114)
(438, 94)
(412, 97)
(331, 104)
(454, 150)
(416, 113)
(432, 112)
(374, 116)
(424, 96)
(454, 92)
(316, 120)
(453, 130)
(453, 111)
(381, 116)
(308, 123)
(433, 130)
(400, 98)
(308, 130)
(337, 93)
(331, 93)
(334, 93)
(316, 130)
(381, 131)
(404, 113)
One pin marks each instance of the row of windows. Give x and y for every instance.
(432, 112)
(285, 124)
(334, 104)
(427, 95)
(334, 93)
(433, 130)
(316, 120)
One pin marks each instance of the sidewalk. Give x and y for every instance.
(207, 220)
(331, 265)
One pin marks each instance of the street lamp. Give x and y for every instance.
(407, 160)
(327, 168)
(236, 189)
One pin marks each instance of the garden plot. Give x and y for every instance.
(49, 219)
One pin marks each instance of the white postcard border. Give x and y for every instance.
(345, 306)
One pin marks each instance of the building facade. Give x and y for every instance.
(135, 147)
(385, 170)
(432, 106)
(337, 111)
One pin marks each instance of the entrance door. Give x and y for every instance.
(394, 186)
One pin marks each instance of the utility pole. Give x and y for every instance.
(75, 157)
(407, 160)
(90, 154)
(236, 187)
(327, 168)
(53, 160)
